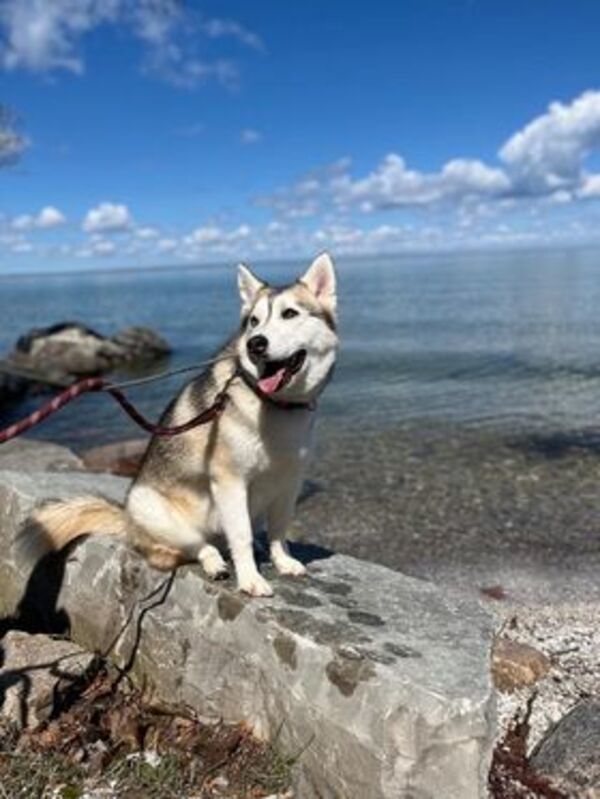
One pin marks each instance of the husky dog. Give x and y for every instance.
(248, 462)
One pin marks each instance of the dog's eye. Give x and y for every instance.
(289, 313)
(253, 321)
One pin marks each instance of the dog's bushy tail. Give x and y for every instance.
(54, 525)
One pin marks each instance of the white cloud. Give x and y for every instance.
(41, 35)
(47, 35)
(48, 217)
(146, 232)
(250, 136)
(590, 187)
(184, 72)
(107, 217)
(214, 240)
(529, 196)
(104, 248)
(466, 176)
(218, 242)
(544, 161)
(22, 222)
(304, 198)
(22, 247)
(352, 239)
(393, 185)
(16, 243)
(210, 234)
(96, 246)
(218, 28)
(171, 35)
(548, 153)
(560, 197)
(240, 232)
(166, 245)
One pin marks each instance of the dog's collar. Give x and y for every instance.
(283, 404)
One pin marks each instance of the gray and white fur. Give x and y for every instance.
(245, 465)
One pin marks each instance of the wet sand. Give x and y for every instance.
(463, 507)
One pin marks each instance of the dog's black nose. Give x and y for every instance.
(257, 345)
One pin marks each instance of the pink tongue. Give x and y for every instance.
(269, 385)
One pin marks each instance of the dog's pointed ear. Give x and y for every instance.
(249, 286)
(319, 278)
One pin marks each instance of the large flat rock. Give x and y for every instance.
(382, 682)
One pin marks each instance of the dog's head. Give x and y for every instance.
(288, 340)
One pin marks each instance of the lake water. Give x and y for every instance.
(502, 341)
(460, 437)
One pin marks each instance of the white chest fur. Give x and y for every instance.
(273, 440)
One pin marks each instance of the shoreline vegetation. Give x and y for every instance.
(105, 738)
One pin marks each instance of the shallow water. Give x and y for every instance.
(499, 341)
(460, 437)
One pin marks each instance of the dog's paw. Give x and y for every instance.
(219, 573)
(213, 564)
(289, 567)
(254, 585)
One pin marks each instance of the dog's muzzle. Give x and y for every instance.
(257, 347)
(277, 374)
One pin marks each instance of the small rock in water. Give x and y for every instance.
(140, 342)
(59, 354)
(515, 665)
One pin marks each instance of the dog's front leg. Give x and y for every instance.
(279, 517)
(231, 499)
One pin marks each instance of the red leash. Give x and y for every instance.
(95, 384)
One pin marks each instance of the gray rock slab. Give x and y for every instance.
(19, 493)
(33, 668)
(27, 455)
(380, 681)
(569, 754)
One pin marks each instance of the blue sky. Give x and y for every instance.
(155, 132)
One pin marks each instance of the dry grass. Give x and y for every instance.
(110, 740)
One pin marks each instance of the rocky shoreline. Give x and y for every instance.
(547, 677)
(556, 689)
(329, 666)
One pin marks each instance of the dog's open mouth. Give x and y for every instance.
(277, 374)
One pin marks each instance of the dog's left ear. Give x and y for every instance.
(320, 279)
(249, 286)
